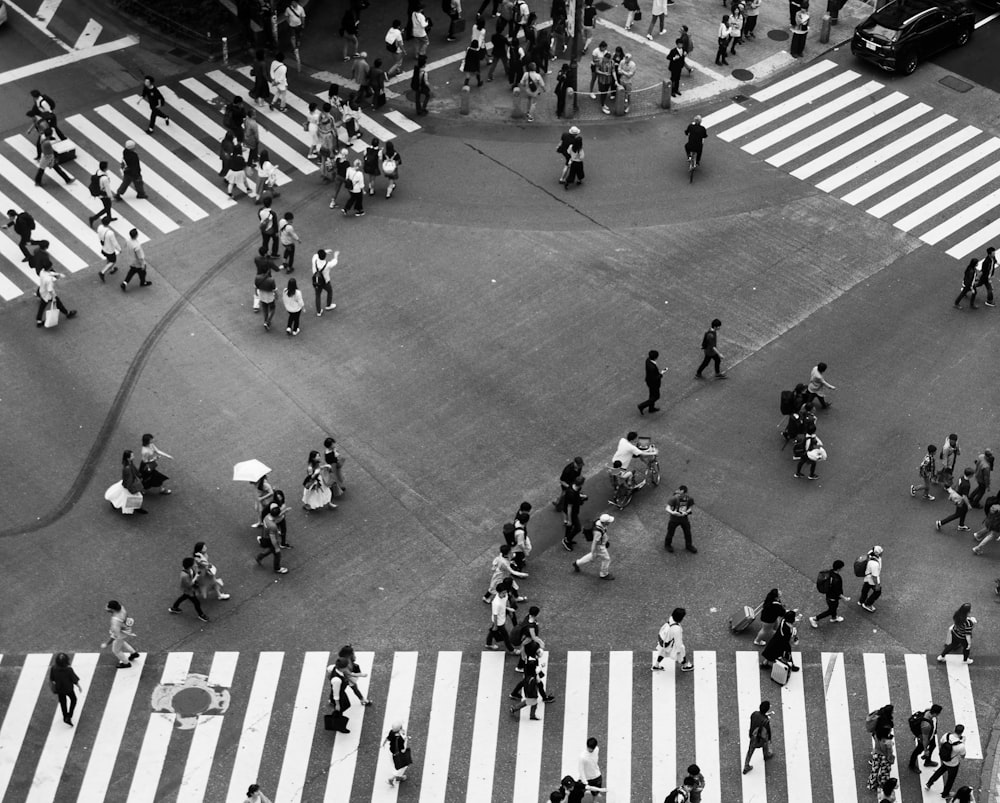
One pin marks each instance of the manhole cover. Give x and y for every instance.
(738, 98)
(602, 6)
(778, 35)
(742, 75)
(957, 84)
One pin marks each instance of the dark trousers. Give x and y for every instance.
(55, 166)
(501, 58)
(105, 209)
(272, 239)
(966, 292)
(928, 752)
(950, 774)
(319, 295)
(869, 593)
(977, 494)
(293, 324)
(989, 290)
(356, 202)
(714, 358)
(831, 609)
(128, 180)
(482, 6)
(268, 308)
(23, 244)
(961, 511)
(135, 270)
(573, 527)
(654, 397)
(675, 83)
(271, 551)
(421, 96)
(672, 526)
(749, 23)
(499, 634)
(805, 461)
(194, 601)
(153, 114)
(70, 697)
(955, 645)
(575, 173)
(288, 257)
(720, 56)
(42, 304)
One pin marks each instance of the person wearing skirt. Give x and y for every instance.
(150, 454)
(126, 494)
(880, 762)
(207, 578)
(315, 494)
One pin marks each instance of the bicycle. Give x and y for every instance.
(624, 487)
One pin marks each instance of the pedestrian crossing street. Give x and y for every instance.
(876, 149)
(180, 164)
(257, 717)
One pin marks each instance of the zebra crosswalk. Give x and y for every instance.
(194, 727)
(179, 167)
(877, 149)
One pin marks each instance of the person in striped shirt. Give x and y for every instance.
(961, 633)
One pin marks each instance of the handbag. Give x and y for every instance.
(817, 455)
(637, 16)
(402, 759)
(51, 315)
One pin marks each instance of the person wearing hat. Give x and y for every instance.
(565, 142)
(599, 548)
(271, 539)
(131, 172)
(871, 588)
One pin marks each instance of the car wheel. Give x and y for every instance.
(908, 63)
(964, 36)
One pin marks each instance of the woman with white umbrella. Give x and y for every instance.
(255, 472)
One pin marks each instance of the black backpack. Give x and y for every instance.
(24, 223)
(823, 581)
(508, 533)
(946, 750)
(799, 447)
(787, 402)
(915, 720)
(95, 185)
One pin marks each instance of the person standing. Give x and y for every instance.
(809, 452)
(670, 642)
(471, 64)
(987, 268)
(960, 632)
(136, 259)
(47, 159)
(23, 224)
(271, 539)
(47, 292)
(948, 456)
(131, 172)
(677, 63)
(831, 585)
(817, 384)
(188, 590)
(294, 304)
(960, 496)
(278, 78)
(110, 249)
(709, 345)
(723, 35)
(750, 23)
(563, 82)
(499, 610)
(658, 14)
(871, 588)
(62, 679)
(927, 470)
(261, 86)
(576, 172)
(321, 266)
(679, 506)
(120, 629)
(589, 766)
(984, 466)
(288, 237)
(399, 748)
(654, 376)
(589, 24)
(923, 724)
(760, 734)
(356, 187)
(255, 795)
(152, 95)
(573, 500)
(420, 26)
(969, 286)
(295, 16)
(599, 549)
(501, 47)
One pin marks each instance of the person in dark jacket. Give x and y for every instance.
(969, 287)
(654, 377)
(960, 496)
(131, 172)
(569, 473)
(772, 610)
(23, 224)
(573, 500)
(779, 646)
(984, 466)
(62, 679)
(834, 594)
(677, 63)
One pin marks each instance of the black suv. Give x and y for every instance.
(904, 32)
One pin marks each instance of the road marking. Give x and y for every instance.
(877, 688)
(748, 701)
(963, 704)
(88, 36)
(619, 753)
(976, 239)
(47, 10)
(664, 736)
(344, 756)
(652, 44)
(963, 217)
(9, 290)
(722, 114)
(919, 682)
(302, 728)
(985, 20)
(946, 199)
(402, 121)
(528, 761)
(59, 252)
(41, 26)
(793, 81)
(576, 697)
(482, 752)
(795, 733)
(838, 729)
(72, 57)
(706, 727)
(397, 709)
(440, 729)
(256, 721)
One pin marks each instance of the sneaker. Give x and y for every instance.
(940, 659)
(688, 667)
(656, 668)
(813, 622)
(813, 477)
(225, 596)
(566, 545)
(319, 314)
(928, 497)
(331, 306)
(593, 96)
(282, 570)
(692, 549)
(550, 699)
(333, 205)
(359, 214)
(519, 669)
(913, 490)
(607, 577)
(837, 619)
(173, 610)
(649, 36)
(869, 608)
(202, 617)
(133, 656)
(969, 661)
(990, 304)
(124, 665)
(937, 526)
(963, 529)
(493, 646)
(575, 567)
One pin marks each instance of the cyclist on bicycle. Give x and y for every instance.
(627, 449)
(696, 134)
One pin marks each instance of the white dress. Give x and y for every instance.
(122, 500)
(317, 495)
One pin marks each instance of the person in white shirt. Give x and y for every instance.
(590, 767)
(599, 549)
(356, 187)
(627, 450)
(292, 299)
(295, 16)
(288, 237)
(720, 56)
(498, 621)
(136, 259)
(47, 293)
(871, 589)
(278, 78)
(420, 26)
(109, 248)
(394, 44)
(670, 642)
(321, 266)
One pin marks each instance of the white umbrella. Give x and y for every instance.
(249, 471)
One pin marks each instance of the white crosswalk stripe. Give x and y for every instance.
(180, 164)
(450, 704)
(810, 124)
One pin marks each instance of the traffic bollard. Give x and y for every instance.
(463, 100)
(824, 28)
(665, 95)
(570, 109)
(619, 109)
(518, 111)
(225, 51)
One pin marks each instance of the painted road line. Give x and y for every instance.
(932, 179)
(664, 731)
(911, 165)
(344, 757)
(786, 107)
(955, 194)
(159, 152)
(53, 208)
(76, 190)
(52, 760)
(619, 750)
(397, 709)
(54, 63)
(919, 682)
(163, 187)
(39, 24)
(402, 121)
(440, 728)
(302, 728)
(482, 753)
(576, 700)
(816, 115)
(976, 240)
(8, 290)
(963, 704)
(964, 217)
(838, 729)
(706, 724)
(793, 81)
(256, 721)
(877, 688)
(47, 10)
(895, 147)
(276, 146)
(88, 36)
(59, 252)
(528, 755)
(205, 740)
(987, 20)
(795, 732)
(862, 140)
(652, 44)
(748, 701)
(104, 752)
(723, 114)
(144, 207)
(836, 130)
(156, 740)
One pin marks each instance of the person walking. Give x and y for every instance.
(809, 453)
(206, 574)
(149, 456)
(831, 585)
(990, 531)
(499, 610)
(927, 470)
(126, 495)
(533, 85)
(709, 345)
(322, 264)
(657, 14)
(923, 725)
(337, 672)
(959, 495)
(818, 384)
(278, 79)
(882, 757)
(679, 506)
(394, 45)
(47, 160)
(263, 496)
(43, 106)
(391, 160)
(261, 91)
(565, 142)
(24, 225)
(599, 548)
(670, 642)
(268, 225)
(960, 632)
(654, 378)
(353, 671)
(255, 795)
(570, 472)
(887, 791)
(963, 794)
(969, 286)
(150, 93)
(131, 172)
(420, 26)
(120, 629)
(135, 257)
(983, 468)
(723, 36)
(288, 237)
(370, 165)
(316, 494)
(987, 268)
(399, 748)
(574, 499)
(589, 764)
(335, 460)
(47, 295)
(871, 587)
(471, 64)
(62, 679)
(110, 249)
(948, 458)
(760, 735)
(779, 646)
(772, 609)
(355, 180)
(189, 589)
(676, 64)
(501, 569)
(271, 539)
(951, 749)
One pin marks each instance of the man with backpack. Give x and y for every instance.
(760, 734)
(23, 224)
(100, 187)
(923, 726)
(871, 588)
(831, 585)
(951, 748)
(532, 85)
(805, 449)
(598, 536)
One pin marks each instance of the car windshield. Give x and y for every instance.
(883, 33)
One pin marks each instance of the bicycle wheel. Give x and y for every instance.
(623, 498)
(654, 472)
(691, 167)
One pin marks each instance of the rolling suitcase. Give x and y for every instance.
(64, 150)
(743, 618)
(780, 672)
